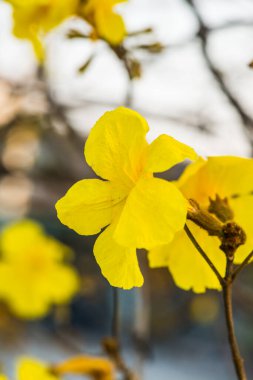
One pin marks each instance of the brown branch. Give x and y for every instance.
(231, 236)
(204, 255)
(116, 315)
(227, 298)
(112, 349)
(111, 344)
(202, 34)
(242, 265)
(226, 284)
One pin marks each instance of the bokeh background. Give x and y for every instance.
(199, 90)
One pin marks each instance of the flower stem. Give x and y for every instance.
(226, 284)
(242, 265)
(116, 315)
(203, 254)
(112, 344)
(237, 359)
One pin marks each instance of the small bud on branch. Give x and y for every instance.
(230, 234)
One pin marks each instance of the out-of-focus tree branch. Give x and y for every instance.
(203, 35)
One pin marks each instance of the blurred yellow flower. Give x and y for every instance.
(230, 177)
(31, 369)
(107, 24)
(33, 19)
(95, 367)
(142, 211)
(32, 273)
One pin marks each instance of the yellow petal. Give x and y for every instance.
(225, 176)
(34, 19)
(114, 2)
(243, 211)
(31, 267)
(119, 265)
(88, 206)
(30, 369)
(116, 146)
(17, 237)
(87, 365)
(28, 4)
(30, 295)
(110, 26)
(165, 152)
(158, 257)
(190, 171)
(67, 285)
(230, 177)
(21, 296)
(189, 270)
(58, 11)
(154, 211)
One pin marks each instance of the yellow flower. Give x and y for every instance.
(32, 273)
(95, 367)
(227, 177)
(33, 19)
(141, 211)
(3, 377)
(107, 24)
(30, 369)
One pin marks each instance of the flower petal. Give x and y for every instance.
(21, 296)
(16, 238)
(165, 152)
(225, 176)
(230, 177)
(188, 268)
(110, 26)
(119, 265)
(29, 369)
(67, 285)
(88, 206)
(154, 211)
(158, 257)
(32, 296)
(116, 146)
(243, 211)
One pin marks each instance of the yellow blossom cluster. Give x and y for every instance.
(34, 19)
(135, 209)
(33, 275)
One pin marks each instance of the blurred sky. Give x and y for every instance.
(176, 90)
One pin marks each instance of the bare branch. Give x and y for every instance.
(203, 34)
(204, 255)
(242, 265)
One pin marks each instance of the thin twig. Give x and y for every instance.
(226, 284)
(116, 315)
(112, 344)
(234, 347)
(204, 255)
(242, 266)
(203, 33)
